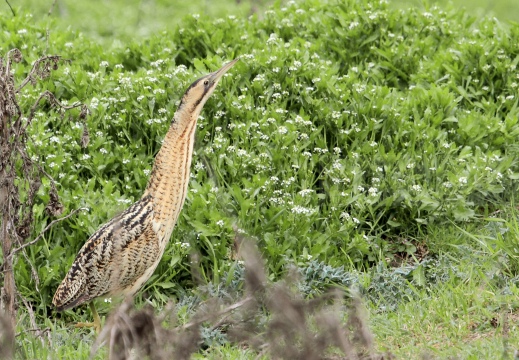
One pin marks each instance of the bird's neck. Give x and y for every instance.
(170, 175)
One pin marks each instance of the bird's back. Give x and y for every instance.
(115, 261)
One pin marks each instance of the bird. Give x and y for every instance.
(122, 254)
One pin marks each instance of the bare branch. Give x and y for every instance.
(8, 79)
(12, 55)
(14, 14)
(32, 330)
(222, 312)
(52, 99)
(15, 163)
(35, 68)
(38, 238)
(47, 36)
(32, 318)
(34, 273)
(51, 8)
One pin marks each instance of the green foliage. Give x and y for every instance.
(346, 126)
(466, 293)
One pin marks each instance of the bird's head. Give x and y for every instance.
(199, 91)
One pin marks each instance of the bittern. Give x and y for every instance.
(123, 253)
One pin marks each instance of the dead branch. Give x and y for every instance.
(32, 319)
(19, 173)
(51, 8)
(38, 238)
(10, 7)
(41, 72)
(34, 273)
(52, 99)
(46, 330)
(228, 309)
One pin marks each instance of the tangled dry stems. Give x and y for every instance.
(21, 176)
(272, 318)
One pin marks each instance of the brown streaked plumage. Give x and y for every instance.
(122, 254)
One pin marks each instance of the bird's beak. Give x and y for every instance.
(215, 77)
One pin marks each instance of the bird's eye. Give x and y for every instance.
(206, 82)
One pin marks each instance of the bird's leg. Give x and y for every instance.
(97, 320)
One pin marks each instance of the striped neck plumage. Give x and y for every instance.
(172, 164)
(171, 170)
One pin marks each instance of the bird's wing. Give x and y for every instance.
(117, 255)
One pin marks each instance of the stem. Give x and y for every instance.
(8, 290)
(38, 238)
(10, 7)
(51, 8)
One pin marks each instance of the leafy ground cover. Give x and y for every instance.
(369, 147)
(118, 20)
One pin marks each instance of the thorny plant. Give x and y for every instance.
(21, 176)
(296, 327)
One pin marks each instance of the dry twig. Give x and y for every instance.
(12, 11)
(51, 8)
(32, 319)
(38, 238)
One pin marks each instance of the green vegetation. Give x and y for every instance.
(369, 147)
(118, 20)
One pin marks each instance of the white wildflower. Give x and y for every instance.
(297, 209)
(345, 216)
(305, 192)
(373, 191)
